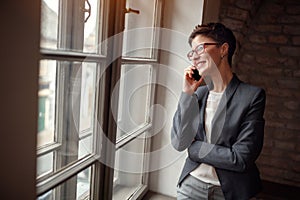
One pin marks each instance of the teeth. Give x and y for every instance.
(201, 62)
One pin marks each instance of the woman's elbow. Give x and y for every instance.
(178, 145)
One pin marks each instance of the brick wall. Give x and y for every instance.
(269, 56)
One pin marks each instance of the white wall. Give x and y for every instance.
(179, 19)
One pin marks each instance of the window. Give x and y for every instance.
(135, 94)
(70, 97)
(74, 99)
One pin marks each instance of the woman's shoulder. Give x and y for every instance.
(250, 91)
(201, 91)
(248, 87)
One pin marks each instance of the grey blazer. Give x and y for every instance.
(236, 141)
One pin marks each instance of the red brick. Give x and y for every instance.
(290, 51)
(292, 105)
(291, 63)
(293, 9)
(273, 8)
(286, 114)
(237, 13)
(274, 124)
(244, 4)
(284, 145)
(296, 40)
(295, 157)
(273, 152)
(296, 169)
(272, 71)
(235, 25)
(288, 84)
(262, 49)
(258, 39)
(296, 73)
(288, 19)
(248, 58)
(271, 60)
(268, 19)
(293, 125)
(288, 73)
(278, 39)
(291, 30)
(287, 93)
(271, 171)
(268, 28)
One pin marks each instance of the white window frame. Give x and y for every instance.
(50, 181)
(153, 60)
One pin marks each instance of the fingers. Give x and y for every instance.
(199, 82)
(188, 72)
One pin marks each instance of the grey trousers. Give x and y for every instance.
(192, 188)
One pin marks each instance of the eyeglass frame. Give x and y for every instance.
(197, 52)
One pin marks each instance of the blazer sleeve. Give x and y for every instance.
(243, 153)
(185, 122)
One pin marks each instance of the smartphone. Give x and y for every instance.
(196, 75)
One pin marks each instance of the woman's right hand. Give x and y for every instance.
(190, 85)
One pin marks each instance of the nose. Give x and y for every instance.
(195, 57)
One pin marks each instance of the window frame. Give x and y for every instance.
(112, 16)
(153, 60)
(49, 182)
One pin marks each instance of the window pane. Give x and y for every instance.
(87, 102)
(85, 146)
(71, 94)
(45, 164)
(49, 24)
(47, 101)
(79, 25)
(91, 27)
(129, 169)
(78, 187)
(138, 41)
(134, 94)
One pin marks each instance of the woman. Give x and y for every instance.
(221, 125)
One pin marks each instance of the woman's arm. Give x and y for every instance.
(185, 122)
(244, 151)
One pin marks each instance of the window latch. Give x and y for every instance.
(87, 10)
(130, 10)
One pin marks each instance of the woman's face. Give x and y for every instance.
(209, 59)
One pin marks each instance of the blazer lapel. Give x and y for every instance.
(218, 122)
(202, 98)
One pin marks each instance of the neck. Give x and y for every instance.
(221, 78)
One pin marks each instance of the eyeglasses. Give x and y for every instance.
(198, 50)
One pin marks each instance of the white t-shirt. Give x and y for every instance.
(204, 172)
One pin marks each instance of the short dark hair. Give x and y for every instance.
(219, 33)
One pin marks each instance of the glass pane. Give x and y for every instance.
(134, 94)
(85, 147)
(47, 100)
(70, 93)
(49, 24)
(138, 40)
(78, 187)
(44, 164)
(91, 26)
(71, 25)
(87, 102)
(129, 169)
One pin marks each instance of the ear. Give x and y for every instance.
(224, 49)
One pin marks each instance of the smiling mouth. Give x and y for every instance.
(200, 63)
